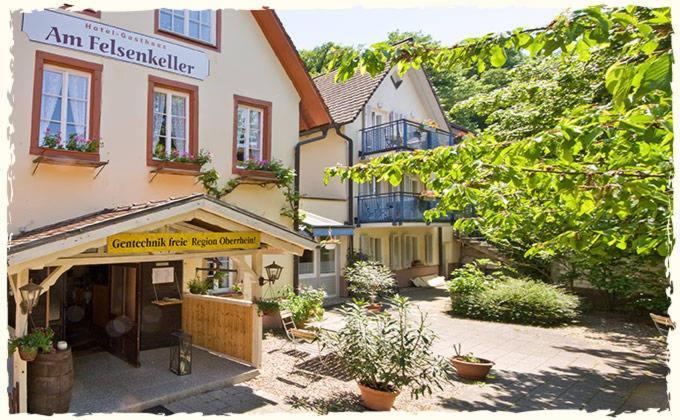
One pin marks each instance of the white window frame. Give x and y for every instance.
(429, 249)
(169, 93)
(395, 252)
(315, 270)
(230, 276)
(65, 72)
(412, 242)
(185, 31)
(246, 145)
(335, 262)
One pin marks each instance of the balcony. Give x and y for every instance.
(402, 135)
(395, 208)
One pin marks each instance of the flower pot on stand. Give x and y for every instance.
(476, 371)
(377, 400)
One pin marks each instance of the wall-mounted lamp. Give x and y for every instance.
(30, 294)
(273, 273)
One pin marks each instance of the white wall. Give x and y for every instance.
(246, 66)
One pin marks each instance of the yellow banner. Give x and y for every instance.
(135, 243)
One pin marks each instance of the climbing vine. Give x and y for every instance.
(283, 179)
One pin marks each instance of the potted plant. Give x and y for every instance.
(428, 195)
(269, 309)
(387, 353)
(330, 243)
(40, 339)
(199, 286)
(469, 366)
(369, 279)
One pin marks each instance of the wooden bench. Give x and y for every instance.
(662, 323)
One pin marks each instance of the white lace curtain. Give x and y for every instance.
(52, 102)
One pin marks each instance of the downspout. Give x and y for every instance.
(296, 224)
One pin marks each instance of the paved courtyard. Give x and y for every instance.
(604, 363)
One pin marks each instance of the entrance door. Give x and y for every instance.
(124, 312)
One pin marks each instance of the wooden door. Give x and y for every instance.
(124, 312)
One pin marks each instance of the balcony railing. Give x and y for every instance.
(403, 135)
(396, 208)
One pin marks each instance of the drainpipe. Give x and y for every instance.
(350, 184)
(296, 224)
(442, 254)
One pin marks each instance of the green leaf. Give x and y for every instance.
(498, 57)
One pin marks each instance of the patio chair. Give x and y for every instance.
(662, 323)
(304, 342)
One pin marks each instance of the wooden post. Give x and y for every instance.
(256, 264)
(21, 326)
(256, 357)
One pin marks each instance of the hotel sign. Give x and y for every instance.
(136, 243)
(63, 30)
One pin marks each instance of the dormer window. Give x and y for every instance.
(197, 26)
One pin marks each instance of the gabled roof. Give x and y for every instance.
(313, 111)
(92, 222)
(345, 100)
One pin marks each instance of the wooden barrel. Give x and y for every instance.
(50, 382)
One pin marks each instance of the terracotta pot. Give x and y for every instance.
(469, 370)
(272, 320)
(28, 354)
(377, 400)
(374, 307)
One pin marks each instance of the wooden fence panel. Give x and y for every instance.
(222, 325)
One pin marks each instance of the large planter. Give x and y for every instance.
(470, 370)
(377, 400)
(272, 320)
(50, 382)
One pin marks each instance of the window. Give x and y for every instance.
(249, 134)
(306, 266)
(64, 103)
(429, 257)
(66, 106)
(252, 122)
(409, 250)
(327, 261)
(395, 252)
(221, 274)
(197, 26)
(173, 117)
(371, 247)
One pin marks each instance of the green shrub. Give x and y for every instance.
(466, 280)
(389, 351)
(501, 297)
(369, 279)
(306, 305)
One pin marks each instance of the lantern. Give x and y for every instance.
(180, 355)
(273, 273)
(30, 294)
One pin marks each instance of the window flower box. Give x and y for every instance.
(76, 146)
(181, 160)
(266, 170)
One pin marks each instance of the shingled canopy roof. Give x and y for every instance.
(106, 217)
(346, 99)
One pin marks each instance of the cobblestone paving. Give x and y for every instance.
(606, 363)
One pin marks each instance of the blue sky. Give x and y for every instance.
(309, 28)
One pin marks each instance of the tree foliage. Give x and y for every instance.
(574, 158)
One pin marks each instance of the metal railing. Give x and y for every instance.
(403, 135)
(395, 207)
